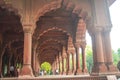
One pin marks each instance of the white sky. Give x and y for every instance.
(115, 18)
(115, 32)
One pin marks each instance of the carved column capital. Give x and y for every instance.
(107, 29)
(83, 44)
(28, 28)
(64, 56)
(77, 45)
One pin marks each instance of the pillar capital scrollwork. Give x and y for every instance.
(83, 44)
(77, 45)
(64, 56)
(28, 28)
(95, 30)
(60, 58)
(69, 51)
(107, 29)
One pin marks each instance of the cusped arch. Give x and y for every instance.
(48, 55)
(58, 4)
(48, 52)
(54, 28)
(50, 47)
(47, 8)
(53, 40)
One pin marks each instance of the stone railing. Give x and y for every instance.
(60, 78)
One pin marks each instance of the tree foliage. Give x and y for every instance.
(46, 67)
(89, 58)
(116, 56)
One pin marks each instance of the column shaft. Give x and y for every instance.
(63, 66)
(27, 48)
(78, 69)
(27, 70)
(68, 69)
(59, 67)
(73, 63)
(0, 66)
(84, 67)
(108, 52)
(60, 63)
(99, 65)
(53, 68)
(34, 61)
(37, 65)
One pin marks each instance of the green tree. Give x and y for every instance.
(118, 62)
(118, 51)
(46, 67)
(89, 58)
(115, 57)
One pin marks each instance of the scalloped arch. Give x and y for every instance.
(56, 47)
(55, 5)
(54, 40)
(47, 8)
(54, 28)
(48, 47)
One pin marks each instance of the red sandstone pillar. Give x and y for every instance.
(27, 70)
(108, 50)
(0, 65)
(37, 65)
(73, 63)
(53, 68)
(57, 63)
(68, 61)
(63, 65)
(59, 68)
(34, 60)
(84, 67)
(9, 64)
(54, 65)
(63, 60)
(60, 64)
(1, 55)
(78, 69)
(99, 65)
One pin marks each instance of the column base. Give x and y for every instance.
(73, 71)
(26, 71)
(64, 73)
(60, 73)
(111, 67)
(99, 68)
(85, 70)
(69, 72)
(78, 71)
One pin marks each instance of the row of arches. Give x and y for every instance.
(51, 39)
(60, 30)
